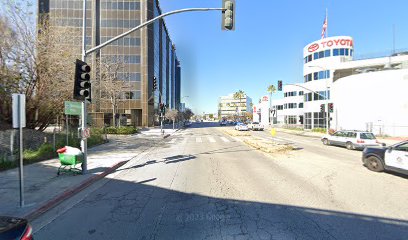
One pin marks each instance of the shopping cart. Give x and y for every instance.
(69, 160)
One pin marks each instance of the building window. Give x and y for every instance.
(316, 55)
(291, 119)
(327, 53)
(336, 52)
(300, 105)
(300, 93)
(308, 120)
(319, 120)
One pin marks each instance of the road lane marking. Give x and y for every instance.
(211, 139)
(224, 139)
(199, 140)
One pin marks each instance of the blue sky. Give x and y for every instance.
(268, 41)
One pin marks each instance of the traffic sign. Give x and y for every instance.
(19, 110)
(86, 133)
(72, 108)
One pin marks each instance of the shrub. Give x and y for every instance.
(126, 130)
(121, 130)
(44, 152)
(319, 130)
(293, 128)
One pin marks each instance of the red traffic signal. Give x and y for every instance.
(279, 85)
(330, 107)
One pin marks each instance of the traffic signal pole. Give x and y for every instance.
(84, 144)
(85, 53)
(327, 102)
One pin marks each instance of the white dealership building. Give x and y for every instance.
(366, 94)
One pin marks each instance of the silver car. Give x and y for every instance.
(352, 139)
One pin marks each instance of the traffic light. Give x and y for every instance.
(228, 15)
(279, 85)
(162, 107)
(82, 84)
(331, 107)
(322, 108)
(154, 83)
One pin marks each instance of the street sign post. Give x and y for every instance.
(72, 108)
(19, 121)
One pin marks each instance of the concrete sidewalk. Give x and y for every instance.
(42, 186)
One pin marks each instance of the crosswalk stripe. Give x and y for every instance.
(224, 139)
(211, 139)
(198, 139)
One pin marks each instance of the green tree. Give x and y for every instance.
(239, 95)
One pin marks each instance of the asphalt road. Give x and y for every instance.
(203, 184)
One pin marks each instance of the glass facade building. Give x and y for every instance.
(144, 54)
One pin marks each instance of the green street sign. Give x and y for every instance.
(72, 108)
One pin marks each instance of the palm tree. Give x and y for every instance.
(239, 95)
(271, 89)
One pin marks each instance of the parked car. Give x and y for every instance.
(393, 158)
(223, 123)
(352, 139)
(15, 228)
(241, 127)
(256, 126)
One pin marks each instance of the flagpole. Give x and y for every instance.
(327, 25)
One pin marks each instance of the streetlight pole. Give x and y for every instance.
(326, 98)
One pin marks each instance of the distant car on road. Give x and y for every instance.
(393, 158)
(15, 228)
(223, 123)
(255, 126)
(241, 127)
(352, 139)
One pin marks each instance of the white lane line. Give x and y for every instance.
(199, 140)
(224, 139)
(173, 140)
(237, 139)
(211, 139)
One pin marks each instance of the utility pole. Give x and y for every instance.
(229, 25)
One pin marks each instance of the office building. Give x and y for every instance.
(143, 55)
(230, 106)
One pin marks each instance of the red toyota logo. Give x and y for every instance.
(313, 47)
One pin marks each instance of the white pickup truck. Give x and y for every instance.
(256, 126)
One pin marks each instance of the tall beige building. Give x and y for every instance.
(144, 54)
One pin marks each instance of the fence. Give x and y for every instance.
(33, 140)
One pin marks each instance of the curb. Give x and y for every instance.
(71, 192)
(299, 134)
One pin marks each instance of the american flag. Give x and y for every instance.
(324, 28)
